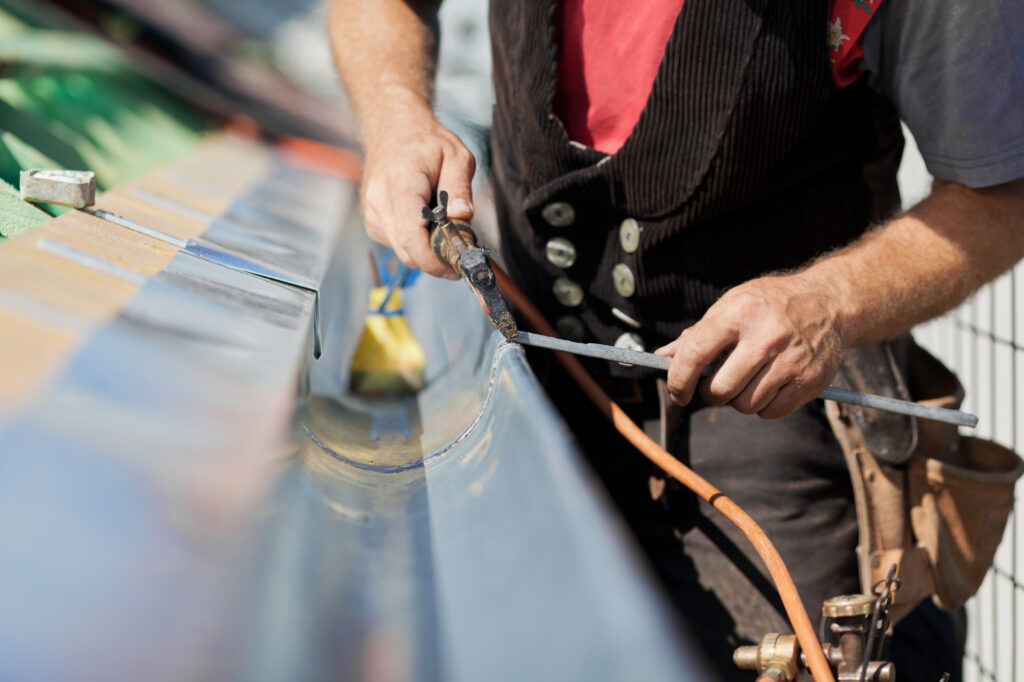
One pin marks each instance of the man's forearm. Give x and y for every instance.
(925, 262)
(386, 52)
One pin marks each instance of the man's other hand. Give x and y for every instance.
(407, 161)
(777, 344)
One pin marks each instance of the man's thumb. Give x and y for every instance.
(455, 178)
(460, 208)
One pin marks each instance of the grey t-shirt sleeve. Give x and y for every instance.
(955, 70)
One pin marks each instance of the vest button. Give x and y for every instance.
(560, 252)
(558, 214)
(570, 328)
(630, 341)
(568, 292)
(629, 235)
(624, 318)
(623, 279)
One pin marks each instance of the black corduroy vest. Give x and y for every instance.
(746, 159)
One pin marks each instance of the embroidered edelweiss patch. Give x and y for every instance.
(836, 35)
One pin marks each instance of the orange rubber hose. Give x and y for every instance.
(794, 606)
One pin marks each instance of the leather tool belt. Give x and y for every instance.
(928, 499)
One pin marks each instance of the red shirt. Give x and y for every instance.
(610, 51)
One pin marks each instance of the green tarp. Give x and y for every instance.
(73, 101)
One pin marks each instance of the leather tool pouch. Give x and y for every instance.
(929, 500)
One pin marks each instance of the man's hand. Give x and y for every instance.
(405, 166)
(780, 345)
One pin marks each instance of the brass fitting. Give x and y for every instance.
(776, 658)
(850, 616)
(848, 605)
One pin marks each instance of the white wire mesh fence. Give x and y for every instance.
(979, 341)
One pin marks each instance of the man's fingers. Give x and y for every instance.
(413, 248)
(798, 391)
(698, 347)
(668, 349)
(783, 343)
(759, 392)
(789, 398)
(409, 235)
(732, 376)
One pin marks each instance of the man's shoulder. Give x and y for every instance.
(956, 74)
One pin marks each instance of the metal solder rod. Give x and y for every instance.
(840, 395)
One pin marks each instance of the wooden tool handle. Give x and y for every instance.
(450, 240)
